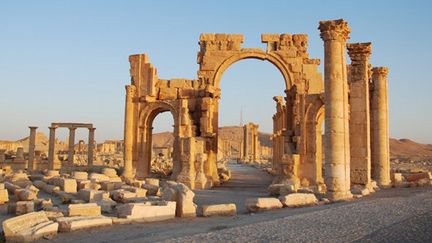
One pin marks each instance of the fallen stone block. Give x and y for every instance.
(418, 176)
(80, 175)
(152, 190)
(185, 205)
(50, 189)
(424, 182)
(39, 184)
(2, 186)
(107, 205)
(68, 224)
(139, 192)
(65, 197)
(42, 204)
(286, 189)
(83, 184)
(98, 177)
(274, 189)
(21, 207)
(4, 196)
(90, 195)
(360, 190)
(110, 172)
(147, 212)
(11, 187)
(68, 185)
(152, 181)
(85, 209)
(111, 186)
(396, 177)
(29, 227)
(219, 210)
(298, 200)
(53, 215)
(262, 204)
(122, 195)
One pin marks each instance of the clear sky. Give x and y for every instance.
(68, 60)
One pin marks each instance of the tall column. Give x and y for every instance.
(71, 150)
(51, 148)
(379, 126)
(128, 131)
(337, 151)
(90, 147)
(32, 145)
(360, 113)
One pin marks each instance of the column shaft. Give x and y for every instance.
(128, 131)
(90, 147)
(380, 129)
(71, 149)
(360, 113)
(51, 148)
(32, 145)
(337, 151)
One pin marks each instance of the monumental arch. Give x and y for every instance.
(297, 122)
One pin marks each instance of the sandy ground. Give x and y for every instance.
(391, 215)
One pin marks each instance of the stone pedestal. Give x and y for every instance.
(379, 126)
(337, 151)
(359, 75)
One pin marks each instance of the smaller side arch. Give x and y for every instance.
(144, 135)
(312, 166)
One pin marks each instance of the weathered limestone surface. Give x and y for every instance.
(359, 77)
(379, 126)
(90, 195)
(29, 227)
(219, 210)
(337, 151)
(86, 209)
(298, 199)
(21, 207)
(262, 204)
(147, 212)
(4, 196)
(68, 224)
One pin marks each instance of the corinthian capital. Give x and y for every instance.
(334, 30)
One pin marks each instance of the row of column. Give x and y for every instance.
(71, 150)
(347, 141)
(51, 147)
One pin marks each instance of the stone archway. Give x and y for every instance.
(144, 137)
(253, 54)
(311, 168)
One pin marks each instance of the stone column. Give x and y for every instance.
(51, 148)
(90, 147)
(360, 113)
(128, 132)
(31, 151)
(2, 155)
(71, 149)
(379, 125)
(337, 151)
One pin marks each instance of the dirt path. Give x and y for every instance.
(245, 182)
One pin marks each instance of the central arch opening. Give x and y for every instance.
(246, 108)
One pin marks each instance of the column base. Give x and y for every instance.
(339, 196)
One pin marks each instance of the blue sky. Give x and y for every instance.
(68, 60)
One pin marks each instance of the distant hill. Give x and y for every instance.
(407, 148)
(401, 148)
